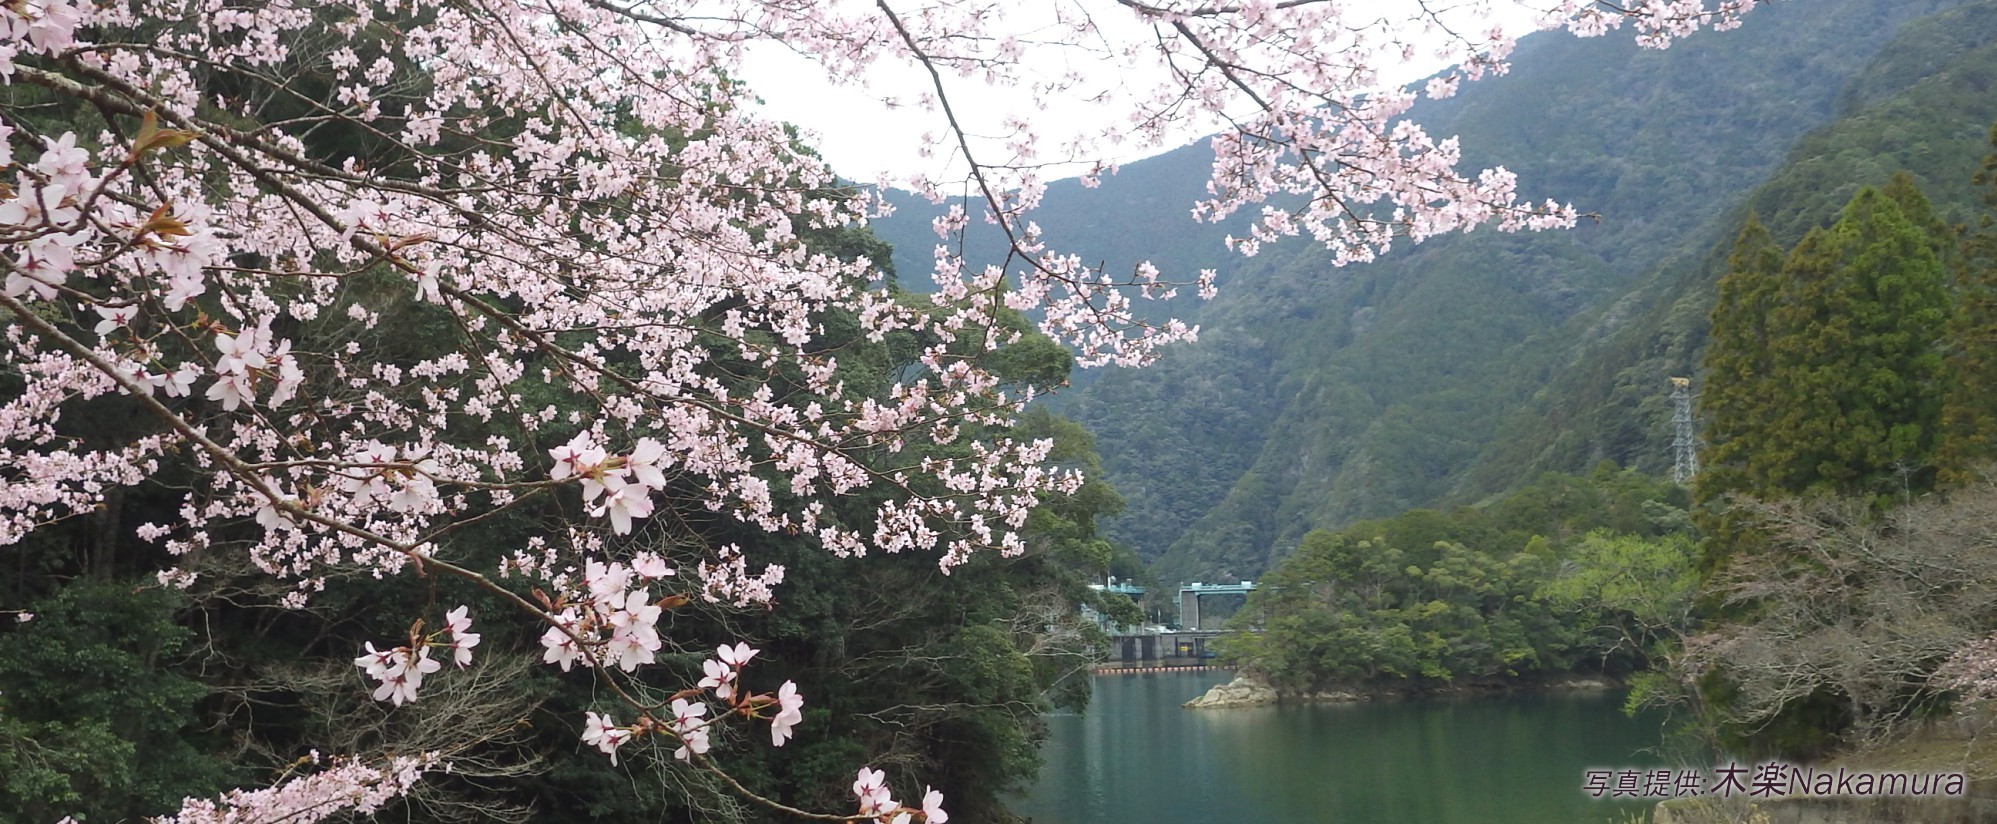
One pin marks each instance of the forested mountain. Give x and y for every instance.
(1464, 367)
(1922, 106)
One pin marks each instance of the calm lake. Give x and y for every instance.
(1137, 757)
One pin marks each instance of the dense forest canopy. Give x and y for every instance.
(1570, 573)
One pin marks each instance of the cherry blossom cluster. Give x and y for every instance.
(689, 721)
(340, 788)
(1658, 22)
(600, 619)
(728, 581)
(1971, 671)
(723, 670)
(186, 285)
(877, 802)
(605, 621)
(400, 670)
(222, 310)
(620, 489)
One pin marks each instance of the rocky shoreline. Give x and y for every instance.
(1248, 691)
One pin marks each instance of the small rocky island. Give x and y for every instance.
(1247, 690)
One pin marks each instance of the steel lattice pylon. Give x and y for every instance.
(1684, 443)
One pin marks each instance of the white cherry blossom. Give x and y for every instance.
(690, 725)
(872, 790)
(790, 714)
(603, 733)
(458, 623)
(718, 677)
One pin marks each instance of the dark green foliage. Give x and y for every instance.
(1733, 402)
(1569, 573)
(1969, 412)
(1826, 375)
(1846, 374)
(1856, 366)
(97, 720)
(1823, 377)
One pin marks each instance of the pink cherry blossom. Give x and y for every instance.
(562, 649)
(650, 566)
(376, 662)
(646, 463)
(603, 733)
(719, 677)
(871, 788)
(399, 670)
(44, 263)
(232, 390)
(342, 786)
(608, 582)
(458, 623)
(688, 723)
(692, 742)
(114, 318)
(932, 807)
(580, 456)
(622, 502)
(40, 206)
(735, 656)
(61, 158)
(632, 646)
(791, 706)
(685, 713)
(241, 353)
(428, 287)
(178, 383)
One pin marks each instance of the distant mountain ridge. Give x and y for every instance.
(1462, 367)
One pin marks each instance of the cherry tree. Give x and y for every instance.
(205, 230)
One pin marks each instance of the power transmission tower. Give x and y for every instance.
(1684, 445)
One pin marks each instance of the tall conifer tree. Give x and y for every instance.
(1918, 210)
(1969, 412)
(1738, 365)
(1829, 376)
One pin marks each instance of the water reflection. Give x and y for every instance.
(1137, 756)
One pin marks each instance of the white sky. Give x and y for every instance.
(863, 138)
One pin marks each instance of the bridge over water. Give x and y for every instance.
(1203, 610)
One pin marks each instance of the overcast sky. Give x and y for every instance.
(863, 138)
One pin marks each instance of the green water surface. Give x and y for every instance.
(1137, 757)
